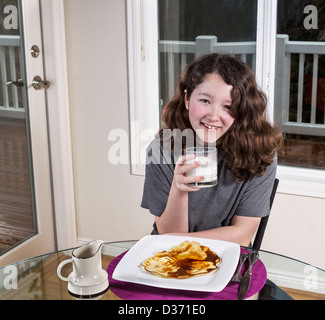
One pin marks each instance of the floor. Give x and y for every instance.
(16, 214)
(303, 295)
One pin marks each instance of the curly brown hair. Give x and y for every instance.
(250, 145)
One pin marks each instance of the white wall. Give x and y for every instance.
(296, 228)
(108, 197)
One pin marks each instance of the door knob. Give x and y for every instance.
(39, 84)
(17, 83)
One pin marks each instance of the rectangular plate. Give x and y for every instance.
(129, 268)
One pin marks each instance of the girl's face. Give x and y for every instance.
(210, 108)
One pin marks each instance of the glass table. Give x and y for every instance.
(36, 278)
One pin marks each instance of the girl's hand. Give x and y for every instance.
(180, 179)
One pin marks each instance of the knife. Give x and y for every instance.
(252, 258)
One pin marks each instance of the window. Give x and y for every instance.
(184, 35)
(300, 82)
(11, 97)
(247, 29)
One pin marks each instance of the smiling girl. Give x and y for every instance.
(218, 100)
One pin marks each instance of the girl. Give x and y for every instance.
(217, 99)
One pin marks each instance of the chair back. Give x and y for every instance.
(262, 226)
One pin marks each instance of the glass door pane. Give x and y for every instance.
(17, 216)
(300, 82)
(190, 28)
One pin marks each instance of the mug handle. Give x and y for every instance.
(60, 266)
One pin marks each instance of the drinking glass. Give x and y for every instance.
(208, 159)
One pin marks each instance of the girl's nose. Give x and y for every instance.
(214, 112)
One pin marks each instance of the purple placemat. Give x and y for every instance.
(132, 291)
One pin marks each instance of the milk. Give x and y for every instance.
(208, 167)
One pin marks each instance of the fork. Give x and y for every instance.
(237, 277)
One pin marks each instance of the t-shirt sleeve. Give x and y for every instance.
(255, 201)
(158, 179)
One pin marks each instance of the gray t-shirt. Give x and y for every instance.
(209, 207)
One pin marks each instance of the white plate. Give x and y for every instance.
(129, 268)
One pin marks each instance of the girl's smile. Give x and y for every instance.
(210, 108)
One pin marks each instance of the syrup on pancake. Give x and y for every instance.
(186, 260)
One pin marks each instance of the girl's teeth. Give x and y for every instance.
(209, 127)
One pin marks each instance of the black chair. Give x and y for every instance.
(262, 226)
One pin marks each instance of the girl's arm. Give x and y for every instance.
(241, 231)
(175, 217)
(174, 220)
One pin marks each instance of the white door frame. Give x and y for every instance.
(54, 39)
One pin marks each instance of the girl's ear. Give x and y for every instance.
(185, 99)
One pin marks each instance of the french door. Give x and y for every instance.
(24, 105)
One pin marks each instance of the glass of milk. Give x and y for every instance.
(208, 158)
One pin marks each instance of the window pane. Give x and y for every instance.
(300, 82)
(17, 211)
(190, 28)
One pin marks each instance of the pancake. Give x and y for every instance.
(183, 261)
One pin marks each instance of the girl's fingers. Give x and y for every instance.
(182, 181)
(181, 160)
(183, 167)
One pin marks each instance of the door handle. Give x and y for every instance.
(39, 84)
(17, 83)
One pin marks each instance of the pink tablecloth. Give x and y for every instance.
(132, 291)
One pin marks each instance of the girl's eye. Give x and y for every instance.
(204, 101)
(228, 107)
